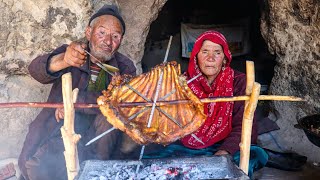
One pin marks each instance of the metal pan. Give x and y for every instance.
(311, 126)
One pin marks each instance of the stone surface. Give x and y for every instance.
(292, 32)
(14, 121)
(30, 28)
(308, 172)
(138, 16)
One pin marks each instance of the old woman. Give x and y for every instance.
(211, 58)
(220, 134)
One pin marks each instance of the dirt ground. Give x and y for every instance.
(309, 172)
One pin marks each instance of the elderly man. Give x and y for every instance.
(42, 154)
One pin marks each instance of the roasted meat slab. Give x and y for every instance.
(169, 122)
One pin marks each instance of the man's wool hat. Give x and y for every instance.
(109, 10)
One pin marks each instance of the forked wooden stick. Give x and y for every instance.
(70, 139)
(247, 128)
(252, 90)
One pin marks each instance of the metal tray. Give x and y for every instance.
(213, 167)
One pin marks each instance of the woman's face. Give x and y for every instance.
(210, 59)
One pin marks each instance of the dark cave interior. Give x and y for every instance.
(210, 13)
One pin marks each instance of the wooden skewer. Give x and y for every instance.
(44, 105)
(159, 103)
(245, 98)
(209, 100)
(156, 95)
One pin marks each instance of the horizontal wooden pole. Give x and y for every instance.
(44, 105)
(245, 98)
(159, 103)
(209, 100)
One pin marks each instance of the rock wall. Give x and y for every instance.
(30, 28)
(33, 27)
(138, 16)
(292, 32)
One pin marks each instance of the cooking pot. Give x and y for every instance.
(311, 127)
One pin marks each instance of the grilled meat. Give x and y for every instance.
(169, 122)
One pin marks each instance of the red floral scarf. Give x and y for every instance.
(219, 115)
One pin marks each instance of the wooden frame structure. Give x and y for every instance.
(252, 91)
(70, 138)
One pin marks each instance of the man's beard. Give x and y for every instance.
(102, 56)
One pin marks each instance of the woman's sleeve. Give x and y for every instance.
(231, 143)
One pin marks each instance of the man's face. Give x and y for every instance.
(104, 36)
(210, 59)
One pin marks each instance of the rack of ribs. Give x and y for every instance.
(169, 122)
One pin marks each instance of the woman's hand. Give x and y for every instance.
(221, 152)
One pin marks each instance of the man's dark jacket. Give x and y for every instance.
(43, 126)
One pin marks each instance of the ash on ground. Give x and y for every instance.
(162, 169)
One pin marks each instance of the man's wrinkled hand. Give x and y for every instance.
(59, 114)
(75, 54)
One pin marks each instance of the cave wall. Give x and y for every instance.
(33, 27)
(30, 28)
(292, 32)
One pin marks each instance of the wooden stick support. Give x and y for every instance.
(70, 139)
(250, 76)
(247, 128)
(252, 90)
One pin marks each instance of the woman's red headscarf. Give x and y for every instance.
(219, 115)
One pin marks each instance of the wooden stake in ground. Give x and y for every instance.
(247, 128)
(70, 139)
(252, 89)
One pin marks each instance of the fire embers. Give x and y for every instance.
(175, 171)
(128, 105)
(149, 172)
(157, 171)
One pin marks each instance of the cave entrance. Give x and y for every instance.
(220, 14)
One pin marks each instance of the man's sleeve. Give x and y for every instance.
(231, 143)
(38, 68)
(126, 66)
(85, 96)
